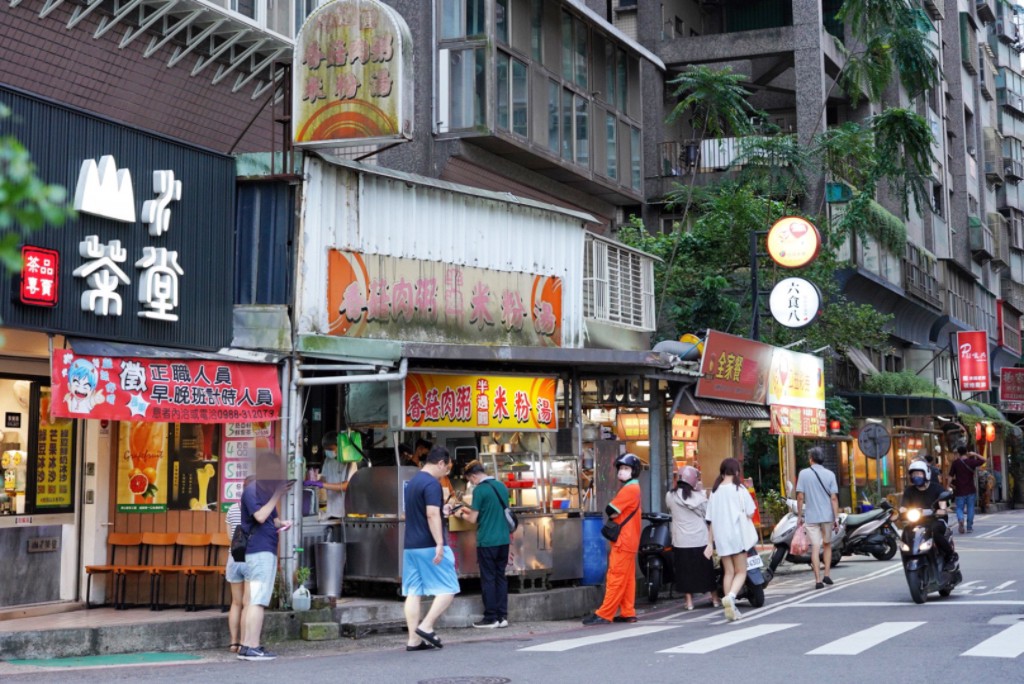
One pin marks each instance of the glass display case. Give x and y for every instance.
(536, 483)
(562, 483)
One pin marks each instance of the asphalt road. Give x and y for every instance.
(865, 628)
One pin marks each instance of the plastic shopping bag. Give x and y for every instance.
(799, 545)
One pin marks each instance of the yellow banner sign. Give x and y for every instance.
(439, 401)
(54, 459)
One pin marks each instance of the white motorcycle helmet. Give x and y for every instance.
(923, 467)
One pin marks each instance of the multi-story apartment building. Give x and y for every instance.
(961, 267)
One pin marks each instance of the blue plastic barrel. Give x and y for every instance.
(595, 550)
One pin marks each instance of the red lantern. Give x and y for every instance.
(835, 425)
(977, 432)
(990, 432)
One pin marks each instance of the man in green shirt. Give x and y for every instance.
(490, 498)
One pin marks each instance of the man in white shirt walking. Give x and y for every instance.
(817, 506)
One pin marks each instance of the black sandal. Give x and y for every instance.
(234, 648)
(430, 637)
(423, 646)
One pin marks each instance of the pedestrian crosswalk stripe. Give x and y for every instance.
(730, 638)
(858, 642)
(1008, 643)
(605, 637)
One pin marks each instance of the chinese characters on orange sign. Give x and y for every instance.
(479, 402)
(412, 299)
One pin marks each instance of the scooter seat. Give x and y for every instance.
(857, 519)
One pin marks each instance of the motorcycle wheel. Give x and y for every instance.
(890, 550)
(945, 592)
(755, 596)
(917, 589)
(653, 583)
(778, 555)
(837, 555)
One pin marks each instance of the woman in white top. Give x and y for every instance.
(730, 531)
(693, 573)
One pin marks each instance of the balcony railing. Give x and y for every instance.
(1013, 294)
(1011, 99)
(919, 276)
(962, 309)
(986, 10)
(678, 158)
(1010, 331)
(935, 9)
(998, 226)
(981, 239)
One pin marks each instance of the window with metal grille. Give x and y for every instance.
(618, 284)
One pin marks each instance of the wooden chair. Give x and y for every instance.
(115, 540)
(215, 567)
(178, 543)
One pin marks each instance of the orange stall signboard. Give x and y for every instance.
(441, 401)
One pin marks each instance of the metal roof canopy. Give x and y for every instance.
(457, 188)
(715, 408)
(896, 405)
(89, 347)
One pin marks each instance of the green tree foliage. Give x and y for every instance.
(904, 383)
(26, 202)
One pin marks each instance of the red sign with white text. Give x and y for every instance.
(972, 352)
(1011, 390)
(163, 390)
(39, 273)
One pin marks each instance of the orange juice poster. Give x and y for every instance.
(142, 467)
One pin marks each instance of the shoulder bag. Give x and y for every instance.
(611, 529)
(827, 492)
(240, 540)
(510, 516)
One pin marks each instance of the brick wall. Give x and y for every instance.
(44, 57)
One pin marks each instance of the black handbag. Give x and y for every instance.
(240, 543)
(611, 529)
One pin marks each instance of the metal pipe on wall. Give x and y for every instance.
(398, 376)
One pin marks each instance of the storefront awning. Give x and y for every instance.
(89, 347)
(895, 405)
(714, 408)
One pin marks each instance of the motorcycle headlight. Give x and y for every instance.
(913, 515)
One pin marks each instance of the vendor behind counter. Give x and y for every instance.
(335, 475)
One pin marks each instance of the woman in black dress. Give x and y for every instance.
(694, 574)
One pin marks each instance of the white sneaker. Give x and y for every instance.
(502, 623)
(729, 604)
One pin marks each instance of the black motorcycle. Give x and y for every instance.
(754, 586)
(923, 565)
(655, 556)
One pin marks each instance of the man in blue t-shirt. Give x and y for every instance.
(260, 522)
(428, 565)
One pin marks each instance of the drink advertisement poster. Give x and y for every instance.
(54, 460)
(142, 468)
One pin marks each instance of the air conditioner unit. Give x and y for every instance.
(972, 151)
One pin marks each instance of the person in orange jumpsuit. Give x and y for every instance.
(620, 582)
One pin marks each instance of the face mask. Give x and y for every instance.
(625, 474)
(917, 480)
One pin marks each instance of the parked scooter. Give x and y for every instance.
(926, 571)
(783, 533)
(754, 586)
(872, 533)
(655, 557)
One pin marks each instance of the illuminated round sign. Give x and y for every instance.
(795, 302)
(793, 242)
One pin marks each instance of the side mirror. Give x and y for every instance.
(945, 496)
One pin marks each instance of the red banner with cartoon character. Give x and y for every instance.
(163, 390)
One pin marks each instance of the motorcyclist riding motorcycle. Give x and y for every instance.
(923, 492)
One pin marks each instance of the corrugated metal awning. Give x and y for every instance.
(861, 361)
(898, 405)
(88, 347)
(715, 408)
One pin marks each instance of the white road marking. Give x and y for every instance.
(858, 642)
(1008, 643)
(940, 603)
(603, 638)
(998, 532)
(727, 639)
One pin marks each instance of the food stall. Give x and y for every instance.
(516, 442)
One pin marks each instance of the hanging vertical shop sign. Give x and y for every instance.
(793, 242)
(795, 302)
(973, 361)
(1011, 390)
(796, 394)
(352, 76)
(734, 369)
(40, 273)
